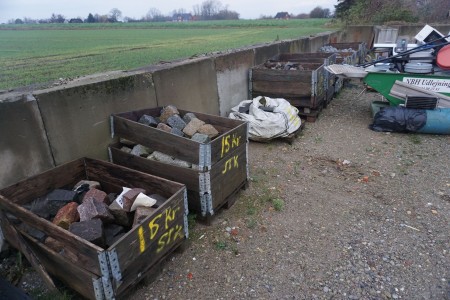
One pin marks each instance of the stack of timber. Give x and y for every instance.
(220, 170)
(92, 271)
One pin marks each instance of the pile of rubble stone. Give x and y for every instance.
(171, 121)
(283, 66)
(92, 214)
(331, 49)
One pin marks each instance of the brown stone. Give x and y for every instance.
(164, 127)
(192, 127)
(209, 130)
(67, 215)
(167, 112)
(97, 195)
(141, 213)
(129, 197)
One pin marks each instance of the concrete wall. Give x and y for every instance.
(52, 126)
(24, 148)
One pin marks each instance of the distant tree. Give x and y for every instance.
(319, 12)
(57, 18)
(302, 16)
(265, 17)
(114, 15)
(197, 11)
(210, 8)
(152, 14)
(90, 19)
(18, 21)
(226, 14)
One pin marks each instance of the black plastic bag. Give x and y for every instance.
(399, 119)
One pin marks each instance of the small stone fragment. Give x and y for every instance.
(91, 230)
(209, 130)
(177, 131)
(127, 142)
(188, 117)
(148, 120)
(97, 195)
(164, 127)
(129, 197)
(140, 150)
(201, 138)
(167, 112)
(91, 209)
(67, 215)
(141, 213)
(176, 121)
(126, 149)
(159, 156)
(193, 126)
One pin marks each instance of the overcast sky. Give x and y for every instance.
(247, 9)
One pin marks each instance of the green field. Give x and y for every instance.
(38, 54)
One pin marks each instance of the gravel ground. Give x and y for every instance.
(341, 213)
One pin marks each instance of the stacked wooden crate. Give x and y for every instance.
(93, 271)
(219, 167)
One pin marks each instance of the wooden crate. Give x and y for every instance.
(223, 162)
(313, 57)
(302, 88)
(359, 49)
(98, 273)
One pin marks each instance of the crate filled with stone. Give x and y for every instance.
(207, 153)
(302, 83)
(97, 227)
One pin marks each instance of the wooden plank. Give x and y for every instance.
(28, 253)
(231, 140)
(73, 275)
(138, 270)
(153, 236)
(227, 175)
(126, 177)
(73, 242)
(186, 176)
(282, 89)
(36, 186)
(157, 140)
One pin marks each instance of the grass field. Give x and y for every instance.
(37, 54)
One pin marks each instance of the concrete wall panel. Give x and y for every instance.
(77, 116)
(263, 53)
(190, 86)
(24, 148)
(232, 79)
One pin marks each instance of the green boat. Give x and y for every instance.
(383, 82)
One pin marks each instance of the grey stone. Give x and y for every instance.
(177, 131)
(148, 120)
(126, 149)
(39, 207)
(181, 163)
(193, 126)
(121, 217)
(167, 112)
(91, 209)
(176, 121)
(159, 156)
(140, 150)
(91, 230)
(201, 138)
(188, 117)
(164, 127)
(58, 198)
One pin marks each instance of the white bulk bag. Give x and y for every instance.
(268, 118)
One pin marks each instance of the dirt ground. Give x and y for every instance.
(341, 213)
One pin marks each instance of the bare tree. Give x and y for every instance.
(153, 14)
(210, 8)
(115, 14)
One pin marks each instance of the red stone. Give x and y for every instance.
(141, 213)
(97, 195)
(67, 215)
(129, 197)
